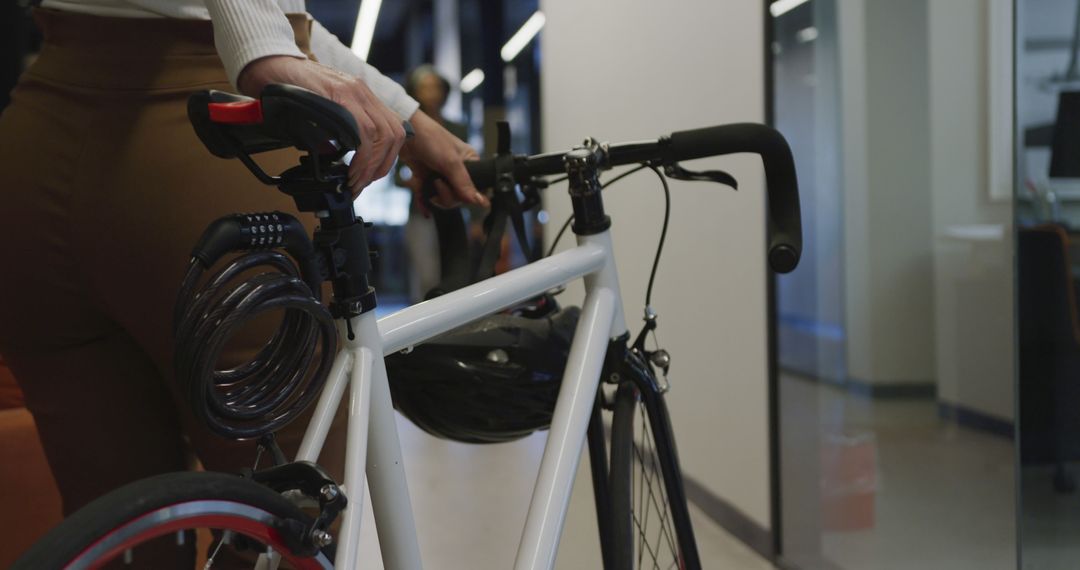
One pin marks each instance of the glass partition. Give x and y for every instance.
(1047, 218)
(896, 335)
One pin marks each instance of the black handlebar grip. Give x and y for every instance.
(482, 172)
(785, 225)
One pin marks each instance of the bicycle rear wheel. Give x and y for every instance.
(154, 523)
(650, 523)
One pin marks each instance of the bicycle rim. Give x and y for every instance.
(228, 523)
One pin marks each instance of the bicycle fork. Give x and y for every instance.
(625, 364)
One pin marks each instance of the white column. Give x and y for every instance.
(448, 53)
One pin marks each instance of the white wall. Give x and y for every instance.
(624, 70)
(973, 280)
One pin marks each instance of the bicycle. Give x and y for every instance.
(635, 471)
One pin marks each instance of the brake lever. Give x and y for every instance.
(677, 172)
(531, 193)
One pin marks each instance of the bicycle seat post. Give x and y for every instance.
(317, 185)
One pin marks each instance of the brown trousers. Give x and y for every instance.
(104, 189)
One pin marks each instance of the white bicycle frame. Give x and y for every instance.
(372, 443)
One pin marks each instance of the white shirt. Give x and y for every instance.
(246, 30)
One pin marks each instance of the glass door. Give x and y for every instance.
(1047, 218)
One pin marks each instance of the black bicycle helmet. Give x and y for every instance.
(490, 381)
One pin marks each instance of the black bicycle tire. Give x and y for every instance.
(627, 555)
(620, 478)
(58, 548)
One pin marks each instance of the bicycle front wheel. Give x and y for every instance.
(650, 523)
(157, 522)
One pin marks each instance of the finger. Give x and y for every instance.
(398, 130)
(379, 150)
(360, 168)
(391, 131)
(463, 185)
(384, 135)
(363, 152)
(396, 138)
(356, 180)
(378, 142)
(445, 197)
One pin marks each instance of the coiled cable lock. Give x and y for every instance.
(284, 377)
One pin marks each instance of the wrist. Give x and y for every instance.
(422, 125)
(266, 70)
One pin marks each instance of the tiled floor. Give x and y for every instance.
(470, 504)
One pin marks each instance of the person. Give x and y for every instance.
(104, 189)
(430, 90)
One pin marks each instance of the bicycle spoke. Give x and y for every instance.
(648, 547)
(653, 501)
(225, 538)
(665, 521)
(648, 499)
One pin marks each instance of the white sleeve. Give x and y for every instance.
(246, 30)
(329, 51)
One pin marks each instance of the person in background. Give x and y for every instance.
(431, 91)
(105, 188)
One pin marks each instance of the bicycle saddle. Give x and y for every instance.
(283, 116)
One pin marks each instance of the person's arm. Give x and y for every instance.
(250, 30)
(257, 46)
(435, 153)
(330, 51)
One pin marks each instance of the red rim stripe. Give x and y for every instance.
(242, 525)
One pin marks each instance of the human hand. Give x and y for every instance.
(381, 130)
(433, 153)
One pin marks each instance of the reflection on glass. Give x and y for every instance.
(1047, 218)
(896, 335)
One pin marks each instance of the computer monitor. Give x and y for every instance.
(1065, 144)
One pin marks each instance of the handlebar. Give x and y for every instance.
(785, 226)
